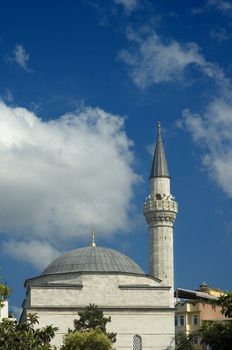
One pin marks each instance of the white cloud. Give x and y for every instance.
(212, 131)
(21, 57)
(223, 6)
(37, 253)
(152, 61)
(129, 5)
(220, 34)
(197, 11)
(59, 177)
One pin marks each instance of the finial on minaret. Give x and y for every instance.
(158, 127)
(93, 237)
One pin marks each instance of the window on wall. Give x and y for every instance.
(195, 319)
(176, 321)
(137, 342)
(181, 320)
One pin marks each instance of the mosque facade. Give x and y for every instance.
(141, 305)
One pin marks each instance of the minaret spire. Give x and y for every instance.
(159, 165)
(160, 211)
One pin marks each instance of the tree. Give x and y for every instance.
(93, 339)
(4, 293)
(218, 334)
(225, 301)
(15, 336)
(185, 342)
(92, 318)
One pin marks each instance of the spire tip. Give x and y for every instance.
(93, 237)
(159, 164)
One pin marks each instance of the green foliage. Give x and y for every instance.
(92, 318)
(4, 293)
(93, 339)
(225, 301)
(217, 334)
(185, 342)
(14, 336)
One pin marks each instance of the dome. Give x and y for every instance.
(93, 259)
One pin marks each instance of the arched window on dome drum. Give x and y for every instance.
(137, 342)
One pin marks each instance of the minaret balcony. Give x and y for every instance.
(158, 211)
(165, 203)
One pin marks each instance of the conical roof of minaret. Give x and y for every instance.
(159, 165)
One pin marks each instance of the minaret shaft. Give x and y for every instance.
(160, 211)
(161, 254)
(160, 185)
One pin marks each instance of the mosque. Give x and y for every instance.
(141, 305)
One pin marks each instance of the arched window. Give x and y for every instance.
(137, 342)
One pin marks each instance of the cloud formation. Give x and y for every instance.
(220, 34)
(151, 60)
(223, 6)
(37, 253)
(21, 57)
(129, 5)
(59, 177)
(212, 131)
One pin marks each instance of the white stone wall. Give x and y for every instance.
(137, 305)
(103, 289)
(156, 328)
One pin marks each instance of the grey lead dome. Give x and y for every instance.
(93, 259)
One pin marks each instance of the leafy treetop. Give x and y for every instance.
(4, 293)
(93, 339)
(15, 336)
(218, 334)
(225, 301)
(92, 318)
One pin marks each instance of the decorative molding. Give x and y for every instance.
(140, 286)
(160, 210)
(56, 286)
(135, 308)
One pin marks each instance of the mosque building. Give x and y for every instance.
(141, 305)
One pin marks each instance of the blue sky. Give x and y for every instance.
(82, 86)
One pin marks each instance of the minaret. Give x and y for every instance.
(160, 211)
